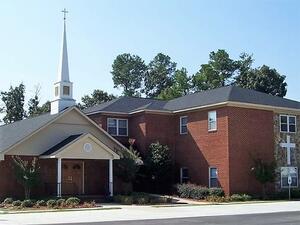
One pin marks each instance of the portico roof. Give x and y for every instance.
(80, 146)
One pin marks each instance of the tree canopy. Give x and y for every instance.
(128, 72)
(97, 97)
(180, 87)
(263, 79)
(160, 75)
(14, 103)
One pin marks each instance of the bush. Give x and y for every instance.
(216, 192)
(72, 201)
(8, 201)
(197, 192)
(240, 197)
(61, 202)
(40, 203)
(51, 203)
(124, 199)
(214, 198)
(17, 203)
(27, 203)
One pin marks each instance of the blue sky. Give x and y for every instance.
(98, 31)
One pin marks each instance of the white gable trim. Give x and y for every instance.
(58, 117)
(81, 137)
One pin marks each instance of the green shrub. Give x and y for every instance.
(213, 198)
(27, 203)
(197, 192)
(51, 203)
(240, 197)
(40, 203)
(8, 201)
(17, 203)
(72, 201)
(216, 192)
(124, 199)
(61, 202)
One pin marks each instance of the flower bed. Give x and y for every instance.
(69, 203)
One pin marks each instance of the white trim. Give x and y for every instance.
(110, 178)
(83, 171)
(69, 145)
(288, 123)
(59, 176)
(209, 175)
(214, 112)
(180, 125)
(117, 119)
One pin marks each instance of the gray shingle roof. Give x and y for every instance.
(12, 133)
(61, 144)
(203, 98)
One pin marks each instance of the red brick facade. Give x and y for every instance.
(95, 183)
(241, 134)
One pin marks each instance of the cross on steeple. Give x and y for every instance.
(288, 145)
(64, 11)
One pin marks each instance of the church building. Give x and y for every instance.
(214, 137)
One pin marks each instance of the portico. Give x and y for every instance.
(72, 154)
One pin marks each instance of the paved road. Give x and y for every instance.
(283, 218)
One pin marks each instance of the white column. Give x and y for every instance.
(59, 177)
(111, 186)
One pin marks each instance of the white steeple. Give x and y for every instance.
(63, 88)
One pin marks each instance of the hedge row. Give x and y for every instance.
(197, 192)
(71, 202)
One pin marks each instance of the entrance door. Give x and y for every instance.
(72, 177)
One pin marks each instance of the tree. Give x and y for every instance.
(159, 75)
(263, 79)
(27, 174)
(14, 103)
(158, 165)
(97, 97)
(181, 86)
(218, 72)
(264, 173)
(128, 166)
(34, 108)
(128, 72)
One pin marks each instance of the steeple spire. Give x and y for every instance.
(63, 69)
(63, 88)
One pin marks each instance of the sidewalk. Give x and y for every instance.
(146, 212)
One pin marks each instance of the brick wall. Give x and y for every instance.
(250, 136)
(241, 134)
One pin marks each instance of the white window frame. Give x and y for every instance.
(288, 123)
(117, 119)
(287, 185)
(181, 174)
(209, 176)
(180, 125)
(209, 122)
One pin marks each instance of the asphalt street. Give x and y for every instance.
(282, 218)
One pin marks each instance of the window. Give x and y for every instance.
(56, 91)
(212, 120)
(285, 173)
(117, 127)
(183, 124)
(287, 123)
(66, 90)
(184, 175)
(213, 177)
